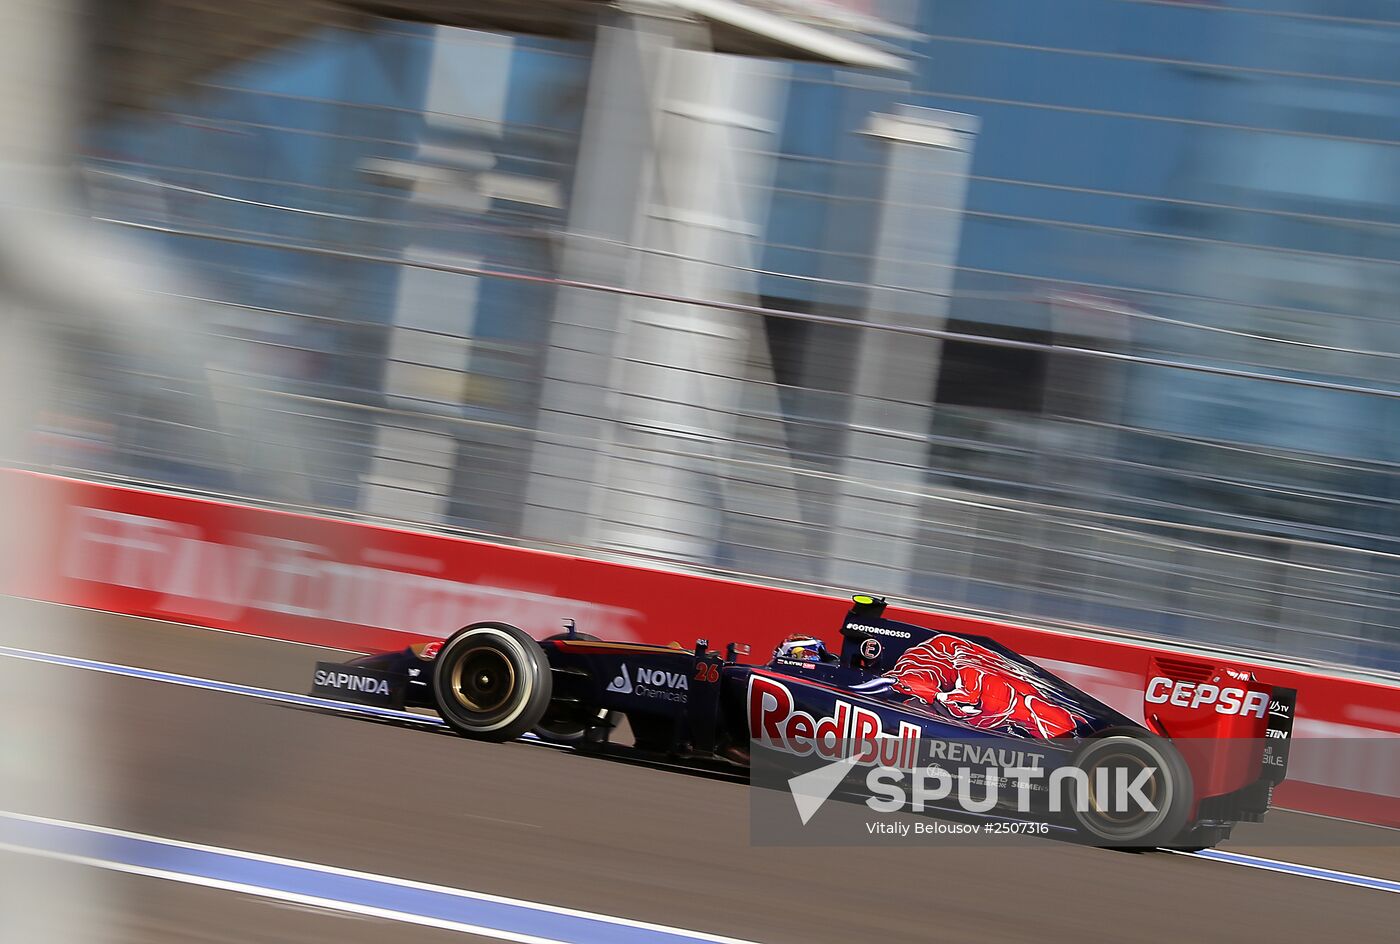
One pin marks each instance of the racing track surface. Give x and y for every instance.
(536, 823)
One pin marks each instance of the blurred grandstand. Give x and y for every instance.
(1087, 314)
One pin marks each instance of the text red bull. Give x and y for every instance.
(852, 731)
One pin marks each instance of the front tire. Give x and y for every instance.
(1169, 789)
(491, 681)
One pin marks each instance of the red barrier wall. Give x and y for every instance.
(355, 586)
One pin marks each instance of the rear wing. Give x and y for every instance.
(1233, 730)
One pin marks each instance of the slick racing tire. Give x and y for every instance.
(569, 731)
(1121, 821)
(491, 681)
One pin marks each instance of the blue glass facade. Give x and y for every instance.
(1209, 183)
(1235, 166)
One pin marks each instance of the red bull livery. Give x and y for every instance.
(1212, 746)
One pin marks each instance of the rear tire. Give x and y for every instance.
(1169, 789)
(491, 681)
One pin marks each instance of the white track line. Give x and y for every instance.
(1293, 868)
(213, 685)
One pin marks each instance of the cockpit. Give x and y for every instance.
(803, 648)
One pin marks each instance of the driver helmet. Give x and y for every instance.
(801, 648)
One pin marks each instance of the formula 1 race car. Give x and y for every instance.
(1215, 744)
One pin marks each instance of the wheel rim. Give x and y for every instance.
(483, 680)
(1133, 824)
(1133, 764)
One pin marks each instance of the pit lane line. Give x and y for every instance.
(324, 886)
(313, 701)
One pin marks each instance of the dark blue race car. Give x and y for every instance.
(894, 694)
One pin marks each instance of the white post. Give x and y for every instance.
(640, 396)
(611, 177)
(879, 502)
(415, 457)
(683, 367)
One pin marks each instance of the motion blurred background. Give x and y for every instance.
(1082, 312)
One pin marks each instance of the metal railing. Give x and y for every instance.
(1047, 514)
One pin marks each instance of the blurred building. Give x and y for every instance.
(380, 214)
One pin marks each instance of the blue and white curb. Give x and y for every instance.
(343, 890)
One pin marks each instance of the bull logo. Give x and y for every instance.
(982, 688)
(427, 651)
